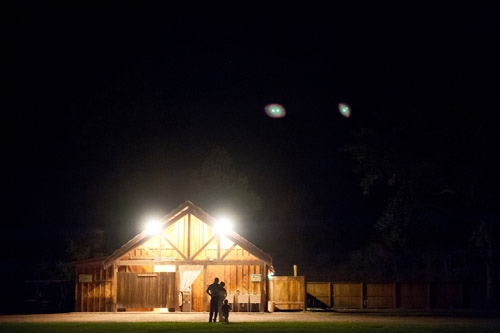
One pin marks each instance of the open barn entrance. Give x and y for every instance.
(146, 291)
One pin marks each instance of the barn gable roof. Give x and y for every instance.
(187, 208)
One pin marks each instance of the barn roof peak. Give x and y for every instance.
(187, 207)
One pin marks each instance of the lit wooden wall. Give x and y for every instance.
(94, 296)
(192, 240)
(186, 241)
(238, 279)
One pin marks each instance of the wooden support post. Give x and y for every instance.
(263, 277)
(205, 296)
(99, 289)
(189, 238)
(86, 293)
(94, 283)
(80, 291)
(271, 289)
(114, 288)
(177, 289)
(330, 295)
(304, 286)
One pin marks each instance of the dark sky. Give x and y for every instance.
(116, 107)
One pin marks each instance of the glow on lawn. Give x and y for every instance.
(345, 110)
(223, 226)
(275, 110)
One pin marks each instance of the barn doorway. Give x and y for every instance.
(145, 291)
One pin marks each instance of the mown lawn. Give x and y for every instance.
(240, 327)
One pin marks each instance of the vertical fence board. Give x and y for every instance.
(380, 295)
(319, 295)
(288, 292)
(348, 295)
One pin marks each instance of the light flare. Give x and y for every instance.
(275, 110)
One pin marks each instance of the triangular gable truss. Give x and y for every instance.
(174, 217)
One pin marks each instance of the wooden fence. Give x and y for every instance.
(328, 295)
(288, 292)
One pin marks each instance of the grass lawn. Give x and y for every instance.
(239, 327)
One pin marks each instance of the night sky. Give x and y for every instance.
(114, 109)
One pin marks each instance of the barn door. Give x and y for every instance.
(146, 290)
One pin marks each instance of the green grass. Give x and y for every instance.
(240, 327)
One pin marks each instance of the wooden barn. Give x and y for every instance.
(170, 269)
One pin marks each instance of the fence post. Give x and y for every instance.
(330, 293)
(304, 286)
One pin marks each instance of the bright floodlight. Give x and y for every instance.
(153, 227)
(223, 226)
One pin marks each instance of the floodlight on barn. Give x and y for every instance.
(223, 226)
(153, 227)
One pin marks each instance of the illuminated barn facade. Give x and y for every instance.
(170, 270)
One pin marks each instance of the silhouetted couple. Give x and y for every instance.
(218, 294)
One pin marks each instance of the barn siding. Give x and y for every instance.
(184, 242)
(93, 296)
(237, 279)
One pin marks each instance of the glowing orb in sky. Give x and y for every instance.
(345, 110)
(275, 110)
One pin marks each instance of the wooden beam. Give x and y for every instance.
(148, 250)
(187, 262)
(166, 239)
(141, 238)
(295, 303)
(245, 244)
(218, 248)
(204, 246)
(189, 236)
(228, 251)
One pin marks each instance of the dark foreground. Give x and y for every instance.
(246, 327)
(249, 322)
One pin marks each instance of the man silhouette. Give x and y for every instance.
(213, 291)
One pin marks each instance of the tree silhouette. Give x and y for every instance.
(221, 189)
